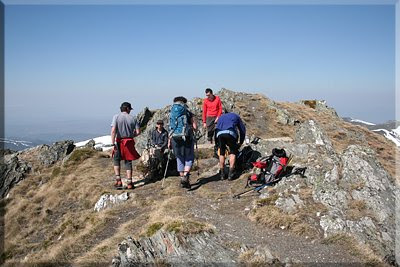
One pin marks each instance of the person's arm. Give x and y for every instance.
(242, 130)
(194, 123)
(136, 132)
(204, 113)
(219, 108)
(113, 135)
(113, 129)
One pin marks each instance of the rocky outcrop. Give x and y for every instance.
(173, 249)
(108, 201)
(350, 192)
(49, 155)
(319, 105)
(144, 117)
(12, 171)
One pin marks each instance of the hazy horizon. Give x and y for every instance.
(72, 65)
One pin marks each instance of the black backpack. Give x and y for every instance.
(245, 158)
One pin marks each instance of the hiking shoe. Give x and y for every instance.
(222, 174)
(118, 183)
(231, 174)
(185, 181)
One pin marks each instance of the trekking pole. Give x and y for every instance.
(166, 169)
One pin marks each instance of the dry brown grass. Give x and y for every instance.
(204, 153)
(358, 209)
(362, 251)
(49, 212)
(249, 258)
(303, 221)
(188, 227)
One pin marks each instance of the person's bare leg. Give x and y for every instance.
(221, 162)
(118, 182)
(129, 174)
(117, 170)
(187, 170)
(232, 160)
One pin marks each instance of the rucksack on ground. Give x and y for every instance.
(178, 122)
(245, 158)
(269, 169)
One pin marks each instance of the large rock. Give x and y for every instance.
(352, 192)
(144, 117)
(49, 155)
(108, 201)
(12, 171)
(319, 105)
(173, 249)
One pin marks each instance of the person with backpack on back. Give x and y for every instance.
(228, 136)
(124, 127)
(212, 110)
(181, 138)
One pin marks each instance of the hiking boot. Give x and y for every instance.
(231, 174)
(222, 174)
(185, 181)
(118, 183)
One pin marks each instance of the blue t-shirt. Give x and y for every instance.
(229, 123)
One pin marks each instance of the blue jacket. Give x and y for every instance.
(229, 123)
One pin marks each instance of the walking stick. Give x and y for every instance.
(166, 169)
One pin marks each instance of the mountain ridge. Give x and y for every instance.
(333, 215)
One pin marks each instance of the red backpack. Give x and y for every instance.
(268, 169)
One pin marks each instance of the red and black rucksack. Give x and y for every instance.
(269, 169)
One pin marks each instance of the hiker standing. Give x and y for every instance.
(212, 110)
(228, 136)
(182, 124)
(124, 127)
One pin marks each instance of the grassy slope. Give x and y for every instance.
(50, 217)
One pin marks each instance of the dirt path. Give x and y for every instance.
(212, 202)
(229, 216)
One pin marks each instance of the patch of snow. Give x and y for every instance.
(391, 135)
(16, 142)
(360, 121)
(103, 142)
(397, 130)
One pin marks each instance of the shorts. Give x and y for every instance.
(184, 152)
(210, 122)
(227, 140)
(117, 159)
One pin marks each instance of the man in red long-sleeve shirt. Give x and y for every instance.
(212, 110)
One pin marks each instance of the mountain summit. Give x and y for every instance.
(60, 207)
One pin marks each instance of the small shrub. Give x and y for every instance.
(80, 155)
(188, 227)
(270, 200)
(311, 103)
(153, 228)
(56, 171)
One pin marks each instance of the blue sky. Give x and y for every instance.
(80, 62)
